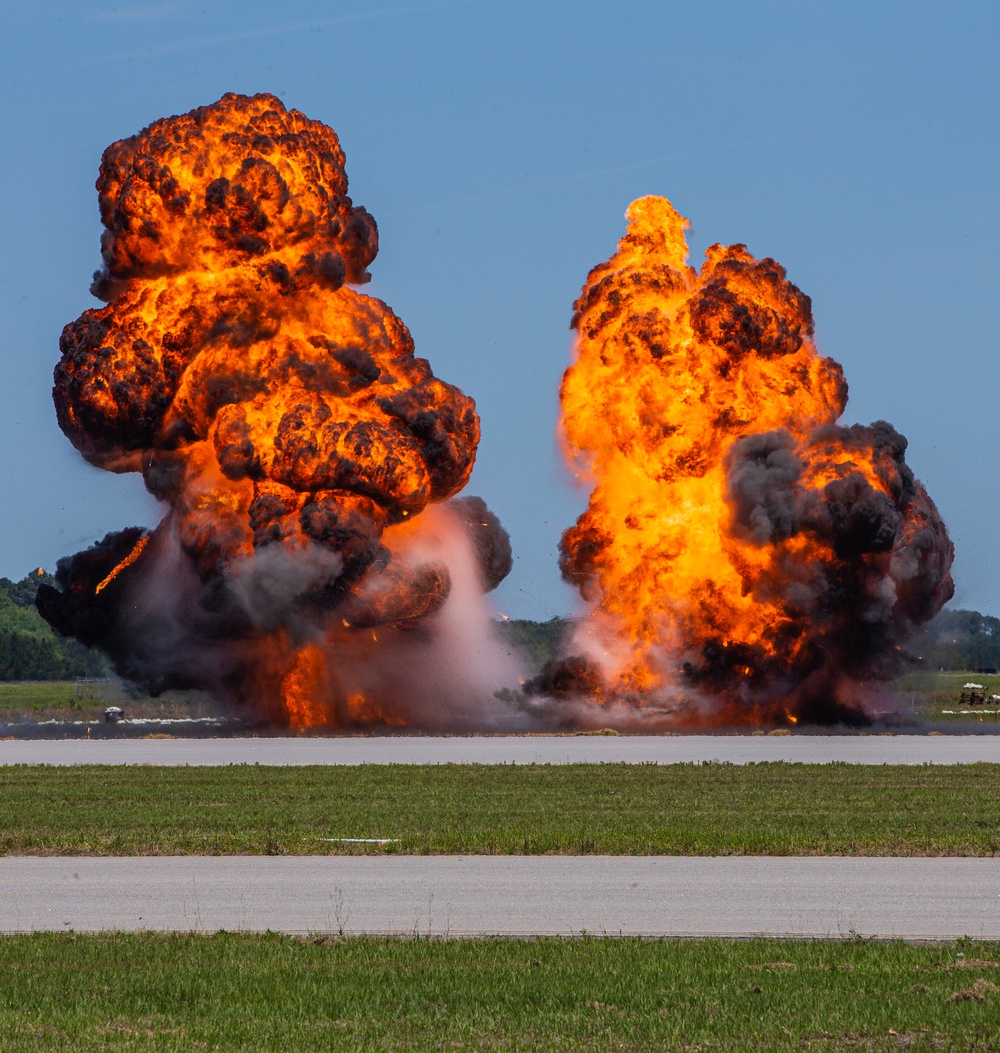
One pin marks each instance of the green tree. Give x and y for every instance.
(29, 649)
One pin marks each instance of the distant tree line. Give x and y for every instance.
(29, 649)
(958, 640)
(537, 642)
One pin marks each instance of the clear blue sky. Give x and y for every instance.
(498, 144)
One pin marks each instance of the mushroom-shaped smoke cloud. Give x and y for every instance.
(281, 414)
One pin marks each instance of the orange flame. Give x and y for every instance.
(727, 504)
(302, 690)
(267, 401)
(126, 562)
(283, 415)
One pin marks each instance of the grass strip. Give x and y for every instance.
(265, 992)
(37, 700)
(676, 809)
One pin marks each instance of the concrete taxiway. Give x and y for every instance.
(937, 898)
(523, 749)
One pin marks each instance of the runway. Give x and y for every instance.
(937, 898)
(525, 749)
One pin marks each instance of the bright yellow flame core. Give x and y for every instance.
(672, 367)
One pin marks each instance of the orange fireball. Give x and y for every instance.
(282, 415)
(738, 543)
(268, 402)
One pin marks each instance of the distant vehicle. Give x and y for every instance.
(975, 695)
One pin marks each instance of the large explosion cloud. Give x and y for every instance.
(747, 558)
(306, 454)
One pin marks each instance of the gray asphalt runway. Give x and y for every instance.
(731, 896)
(529, 749)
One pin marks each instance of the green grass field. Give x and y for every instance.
(87, 699)
(712, 809)
(249, 992)
(928, 696)
(268, 992)
(29, 695)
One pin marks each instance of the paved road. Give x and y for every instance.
(528, 749)
(512, 895)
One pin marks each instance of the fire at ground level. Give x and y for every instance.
(916, 703)
(299, 645)
(333, 658)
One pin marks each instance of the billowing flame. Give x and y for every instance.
(304, 689)
(739, 546)
(281, 414)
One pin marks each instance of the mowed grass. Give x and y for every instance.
(29, 695)
(682, 809)
(270, 992)
(38, 700)
(936, 696)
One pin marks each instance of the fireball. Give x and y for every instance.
(282, 415)
(740, 546)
